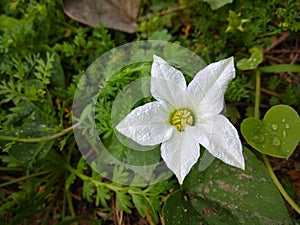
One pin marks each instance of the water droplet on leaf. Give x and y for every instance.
(275, 141)
(258, 138)
(284, 134)
(274, 126)
(283, 120)
(287, 126)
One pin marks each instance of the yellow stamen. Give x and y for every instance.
(182, 117)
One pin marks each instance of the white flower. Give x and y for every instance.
(185, 116)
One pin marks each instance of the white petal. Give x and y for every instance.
(181, 152)
(148, 124)
(209, 85)
(167, 83)
(221, 140)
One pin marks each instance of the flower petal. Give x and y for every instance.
(209, 85)
(181, 152)
(221, 139)
(147, 124)
(167, 83)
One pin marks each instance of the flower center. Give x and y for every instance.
(182, 117)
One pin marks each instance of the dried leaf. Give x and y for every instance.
(115, 14)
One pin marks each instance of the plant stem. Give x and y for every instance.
(96, 182)
(40, 139)
(265, 158)
(257, 94)
(279, 186)
(23, 178)
(10, 169)
(70, 203)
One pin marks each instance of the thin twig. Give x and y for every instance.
(269, 92)
(40, 139)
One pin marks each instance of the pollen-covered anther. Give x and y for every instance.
(182, 117)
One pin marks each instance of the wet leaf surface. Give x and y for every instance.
(226, 195)
(278, 133)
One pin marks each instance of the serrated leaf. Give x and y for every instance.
(82, 165)
(70, 180)
(102, 196)
(162, 35)
(88, 189)
(120, 175)
(141, 204)
(123, 201)
(57, 79)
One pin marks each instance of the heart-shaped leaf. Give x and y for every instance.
(277, 135)
(226, 195)
(251, 63)
(115, 14)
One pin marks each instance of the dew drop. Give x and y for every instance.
(264, 146)
(283, 120)
(275, 141)
(287, 126)
(258, 138)
(284, 134)
(274, 126)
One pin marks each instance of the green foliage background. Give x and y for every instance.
(43, 54)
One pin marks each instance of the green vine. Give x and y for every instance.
(265, 158)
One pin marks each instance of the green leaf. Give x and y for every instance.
(7, 22)
(102, 196)
(235, 22)
(162, 35)
(251, 63)
(81, 166)
(226, 195)
(123, 201)
(88, 189)
(141, 204)
(26, 152)
(206, 160)
(70, 180)
(280, 68)
(232, 113)
(57, 79)
(277, 135)
(215, 4)
(179, 210)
